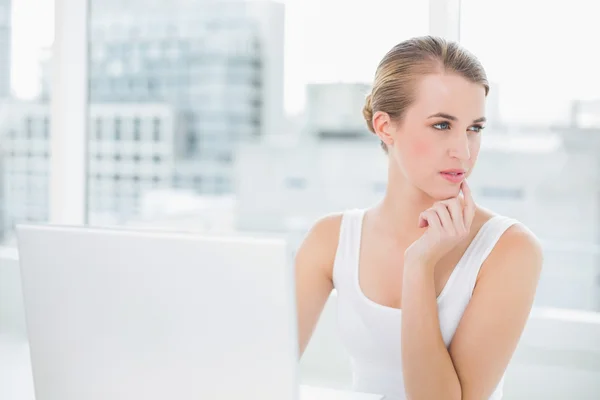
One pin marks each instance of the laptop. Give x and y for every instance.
(121, 314)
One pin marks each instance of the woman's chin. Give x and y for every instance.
(440, 194)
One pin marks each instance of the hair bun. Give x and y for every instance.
(368, 112)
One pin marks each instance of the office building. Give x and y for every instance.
(219, 64)
(172, 94)
(131, 152)
(131, 149)
(26, 163)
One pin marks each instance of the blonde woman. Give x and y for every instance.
(433, 291)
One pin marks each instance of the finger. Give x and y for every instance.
(431, 219)
(456, 213)
(445, 218)
(423, 221)
(469, 206)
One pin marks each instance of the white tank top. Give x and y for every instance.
(371, 332)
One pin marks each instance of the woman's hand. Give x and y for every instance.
(448, 222)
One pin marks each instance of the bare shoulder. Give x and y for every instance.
(319, 246)
(518, 252)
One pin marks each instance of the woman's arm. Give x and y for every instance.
(491, 327)
(488, 332)
(313, 270)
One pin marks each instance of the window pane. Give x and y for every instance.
(191, 95)
(544, 113)
(174, 87)
(327, 160)
(25, 114)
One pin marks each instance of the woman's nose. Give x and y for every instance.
(460, 147)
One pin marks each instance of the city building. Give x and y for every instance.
(172, 95)
(219, 64)
(131, 152)
(25, 133)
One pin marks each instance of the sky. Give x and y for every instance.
(539, 61)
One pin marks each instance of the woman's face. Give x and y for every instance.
(436, 144)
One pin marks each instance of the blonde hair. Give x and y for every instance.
(398, 72)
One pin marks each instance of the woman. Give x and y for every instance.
(433, 290)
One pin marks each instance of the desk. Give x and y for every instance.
(314, 393)
(16, 382)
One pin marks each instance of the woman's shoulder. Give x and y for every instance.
(516, 229)
(328, 226)
(517, 247)
(519, 239)
(320, 243)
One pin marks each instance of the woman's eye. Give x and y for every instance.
(442, 126)
(476, 128)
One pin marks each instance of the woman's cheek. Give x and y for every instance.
(421, 147)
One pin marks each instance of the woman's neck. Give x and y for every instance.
(402, 205)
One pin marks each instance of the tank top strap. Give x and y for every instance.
(482, 245)
(348, 249)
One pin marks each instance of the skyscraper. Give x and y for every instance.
(219, 64)
(173, 90)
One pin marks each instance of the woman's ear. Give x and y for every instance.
(384, 127)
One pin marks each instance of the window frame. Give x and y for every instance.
(69, 114)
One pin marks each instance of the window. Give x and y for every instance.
(151, 86)
(199, 95)
(98, 128)
(29, 127)
(25, 55)
(544, 85)
(191, 144)
(46, 128)
(156, 130)
(136, 129)
(118, 129)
